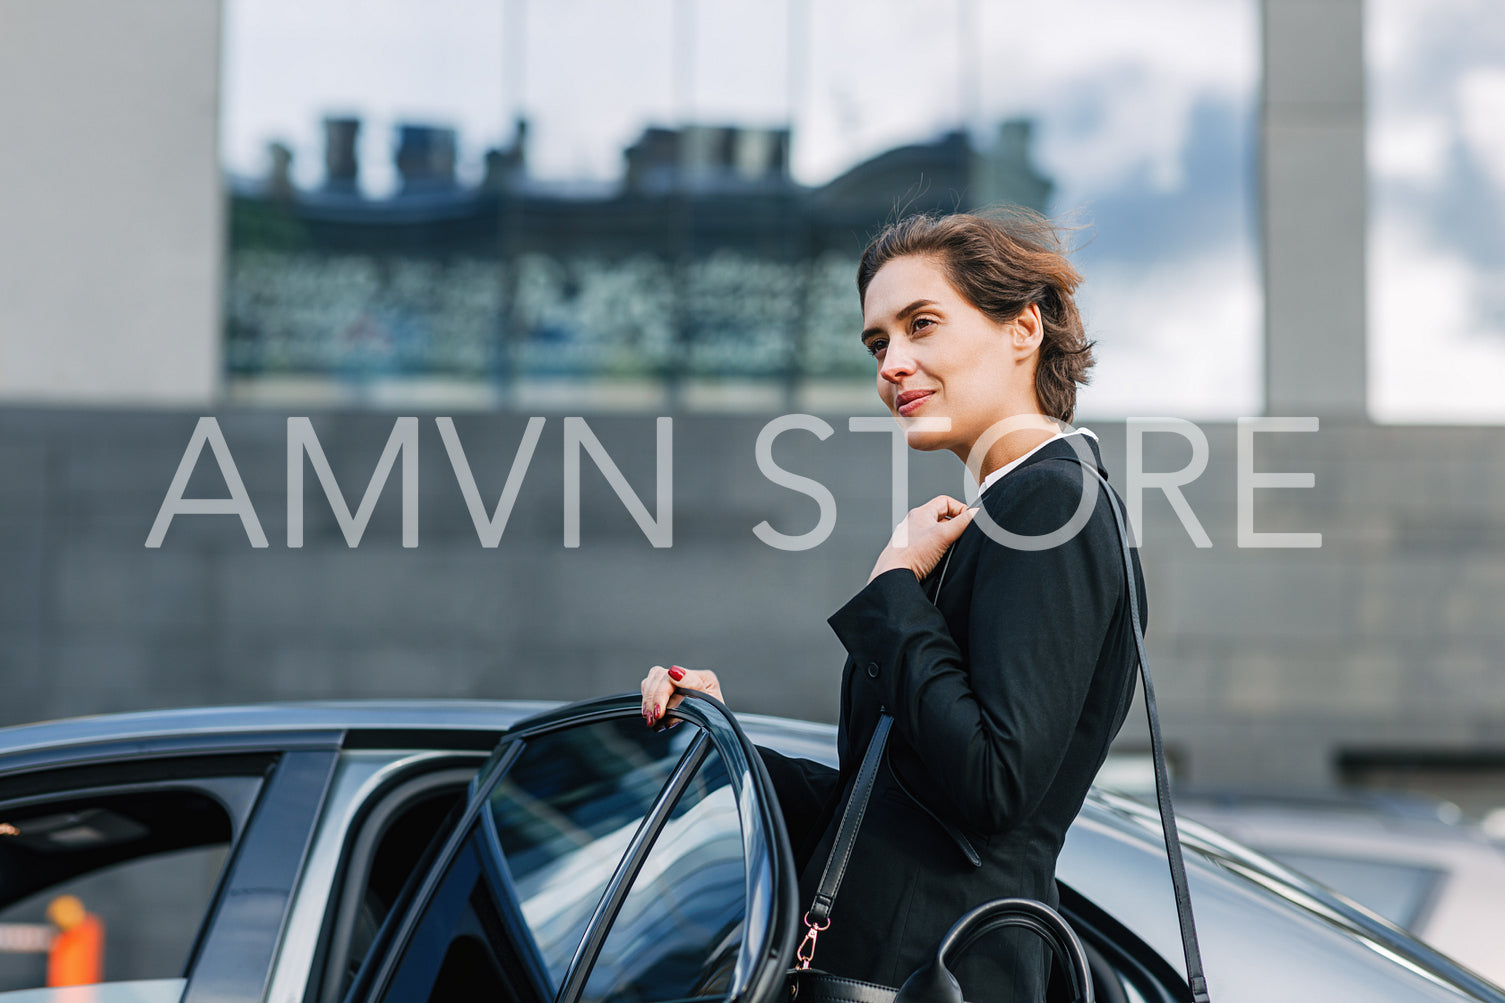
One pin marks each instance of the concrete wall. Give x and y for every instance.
(1269, 662)
(112, 216)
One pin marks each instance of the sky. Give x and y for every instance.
(1437, 210)
(1145, 119)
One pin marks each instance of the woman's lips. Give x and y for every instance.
(910, 401)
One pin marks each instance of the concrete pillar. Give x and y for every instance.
(111, 205)
(1314, 183)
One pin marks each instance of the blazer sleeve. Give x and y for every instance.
(993, 728)
(806, 791)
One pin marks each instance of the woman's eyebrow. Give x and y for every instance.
(916, 305)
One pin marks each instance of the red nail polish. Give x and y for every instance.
(676, 673)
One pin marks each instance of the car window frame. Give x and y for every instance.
(384, 796)
(244, 926)
(768, 861)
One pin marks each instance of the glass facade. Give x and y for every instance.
(1436, 151)
(662, 204)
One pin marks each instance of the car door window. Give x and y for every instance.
(565, 814)
(678, 932)
(603, 860)
(511, 908)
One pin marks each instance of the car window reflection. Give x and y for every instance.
(678, 932)
(565, 814)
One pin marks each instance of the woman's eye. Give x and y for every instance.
(921, 323)
(875, 346)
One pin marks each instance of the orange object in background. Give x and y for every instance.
(77, 955)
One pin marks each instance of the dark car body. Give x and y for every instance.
(1412, 860)
(315, 853)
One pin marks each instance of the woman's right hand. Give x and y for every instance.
(661, 689)
(920, 541)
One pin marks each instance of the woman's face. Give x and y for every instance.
(940, 357)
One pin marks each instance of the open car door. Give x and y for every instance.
(597, 859)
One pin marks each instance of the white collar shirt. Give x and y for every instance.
(998, 474)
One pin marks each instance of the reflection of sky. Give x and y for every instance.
(1437, 209)
(1144, 119)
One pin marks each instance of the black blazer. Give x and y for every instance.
(1006, 691)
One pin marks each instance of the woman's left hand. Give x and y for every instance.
(920, 540)
(663, 690)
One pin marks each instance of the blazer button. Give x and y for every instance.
(872, 670)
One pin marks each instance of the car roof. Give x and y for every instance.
(271, 718)
(795, 737)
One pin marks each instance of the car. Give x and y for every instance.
(396, 852)
(1412, 860)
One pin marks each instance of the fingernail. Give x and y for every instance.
(656, 712)
(676, 673)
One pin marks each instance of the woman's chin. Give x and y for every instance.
(925, 441)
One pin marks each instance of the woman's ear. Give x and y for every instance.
(1027, 330)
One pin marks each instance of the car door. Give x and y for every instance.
(598, 859)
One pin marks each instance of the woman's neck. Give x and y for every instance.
(1027, 431)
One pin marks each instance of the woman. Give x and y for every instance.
(1007, 664)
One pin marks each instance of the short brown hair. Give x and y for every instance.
(1001, 261)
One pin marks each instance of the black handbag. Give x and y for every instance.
(933, 982)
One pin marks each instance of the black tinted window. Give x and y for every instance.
(107, 887)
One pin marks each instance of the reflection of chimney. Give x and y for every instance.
(1004, 172)
(426, 157)
(520, 143)
(280, 174)
(707, 155)
(653, 161)
(702, 149)
(504, 166)
(341, 166)
(761, 154)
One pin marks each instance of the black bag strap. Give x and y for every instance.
(1194, 976)
(819, 916)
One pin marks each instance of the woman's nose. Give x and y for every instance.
(897, 363)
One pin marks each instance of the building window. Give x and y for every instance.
(662, 204)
